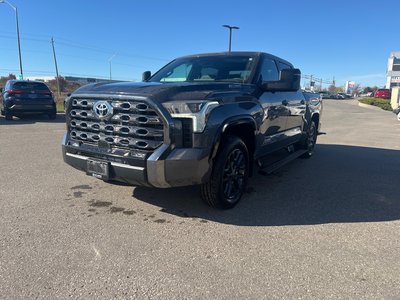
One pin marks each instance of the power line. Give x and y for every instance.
(25, 33)
(87, 47)
(31, 51)
(51, 73)
(23, 38)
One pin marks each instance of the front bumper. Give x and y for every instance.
(163, 168)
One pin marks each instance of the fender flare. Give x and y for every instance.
(232, 121)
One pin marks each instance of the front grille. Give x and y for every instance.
(133, 125)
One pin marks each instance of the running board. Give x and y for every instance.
(267, 170)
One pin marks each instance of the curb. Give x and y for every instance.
(370, 106)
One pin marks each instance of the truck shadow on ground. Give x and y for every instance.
(32, 119)
(340, 184)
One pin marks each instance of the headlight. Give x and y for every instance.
(197, 110)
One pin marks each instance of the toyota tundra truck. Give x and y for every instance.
(206, 119)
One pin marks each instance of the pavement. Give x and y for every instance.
(323, 228)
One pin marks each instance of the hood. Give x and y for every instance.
(161, 92)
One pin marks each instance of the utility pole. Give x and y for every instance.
(55, 62)
(19, 44)
(109, 61)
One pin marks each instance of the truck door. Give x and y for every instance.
(296, 106)
(272, 129)
(296, 109)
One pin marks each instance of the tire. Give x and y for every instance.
(229, 175)
(398, 116)
(309, 141)
(8, 115)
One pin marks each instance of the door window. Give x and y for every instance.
(269, 72)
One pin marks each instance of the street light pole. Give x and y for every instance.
(19, 42)
(230, 34)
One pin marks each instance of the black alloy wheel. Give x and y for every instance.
(229, 175)
(234, 175)
(310, 140)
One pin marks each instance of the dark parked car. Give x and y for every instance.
(21, 97)
(383, 93)
(344, 96)
(325, 95)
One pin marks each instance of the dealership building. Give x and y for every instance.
(393, 70)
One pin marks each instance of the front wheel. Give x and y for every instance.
(229, 175)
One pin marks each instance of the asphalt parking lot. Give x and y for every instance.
(322, 228)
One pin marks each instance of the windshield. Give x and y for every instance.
(30, 86)
(207, 68)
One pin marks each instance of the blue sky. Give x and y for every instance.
(348, 40)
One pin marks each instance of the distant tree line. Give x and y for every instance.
(356, 90)
(3, 79)
(65, 85)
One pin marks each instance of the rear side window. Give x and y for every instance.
(269, 72)
(282, 66)
(30, 86)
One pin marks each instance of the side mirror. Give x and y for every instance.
(289, 81)
(146, 75)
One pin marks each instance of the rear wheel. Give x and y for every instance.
(229, 175)
(8, 115)
(52, 116)
(309, 142)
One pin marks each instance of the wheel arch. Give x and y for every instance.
(243, 127)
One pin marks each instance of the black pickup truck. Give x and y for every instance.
(205, 119)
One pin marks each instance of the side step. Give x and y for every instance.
(267, 170)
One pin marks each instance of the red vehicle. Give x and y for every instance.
(383, 93)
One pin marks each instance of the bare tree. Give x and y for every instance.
(3, 79)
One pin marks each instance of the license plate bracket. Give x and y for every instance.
(98, 168)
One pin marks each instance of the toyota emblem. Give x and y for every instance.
(103, 109)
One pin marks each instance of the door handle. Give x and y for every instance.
(285, 102)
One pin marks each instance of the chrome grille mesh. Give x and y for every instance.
(133, 125)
